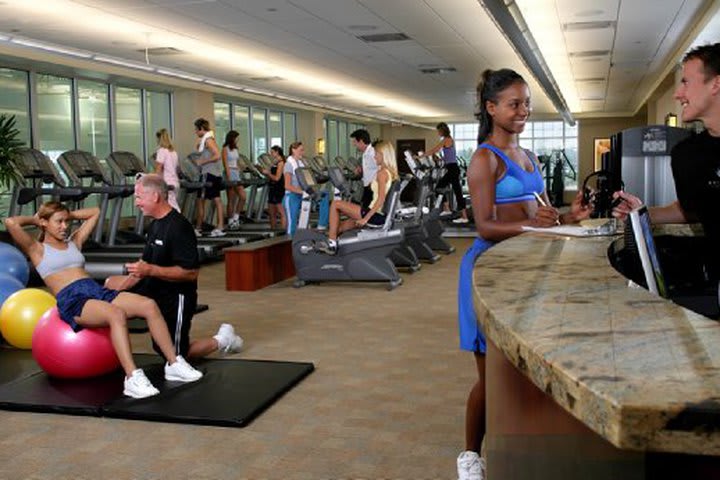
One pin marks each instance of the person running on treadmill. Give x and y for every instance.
(236, 193)
(372, 215)
(82, 303)
(452, 175)
(168, 272)
(276, 187)
(210, 165)
(166, 164)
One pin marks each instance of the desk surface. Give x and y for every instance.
(635, 368)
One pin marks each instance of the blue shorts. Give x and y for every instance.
(472, 337)
(377, 220)
(234, 174)
(71, 299)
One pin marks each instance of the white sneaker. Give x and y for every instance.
(470, 466)
(137, 385)
(181, 371)
(217, 233)
(321, 228)
(461, 220)
(445, 213)
(228, 341)
(198, 233)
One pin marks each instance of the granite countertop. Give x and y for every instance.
(637, 369)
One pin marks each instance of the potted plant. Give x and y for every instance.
(9, 146)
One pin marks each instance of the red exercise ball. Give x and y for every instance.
(62, 353)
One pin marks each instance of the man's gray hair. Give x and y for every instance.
(154, 182)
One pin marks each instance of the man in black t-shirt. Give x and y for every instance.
(696, 160)
(168, 271)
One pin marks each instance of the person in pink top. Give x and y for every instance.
(166, 165)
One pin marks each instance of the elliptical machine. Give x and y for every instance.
(362, 255)
(403, 256)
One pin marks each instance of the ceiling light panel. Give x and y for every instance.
(544, 24)
(572, 11)
(583, 40)
(302, 79)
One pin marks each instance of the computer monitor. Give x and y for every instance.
(642, 233)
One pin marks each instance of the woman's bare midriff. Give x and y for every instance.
(58, 281)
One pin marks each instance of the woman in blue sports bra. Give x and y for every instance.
(503, 179)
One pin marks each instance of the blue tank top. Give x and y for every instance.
(449, 155)
(517, 185)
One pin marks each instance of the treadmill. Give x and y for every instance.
(79, 166)
(192, 184)
(125, 167)
(250, 176)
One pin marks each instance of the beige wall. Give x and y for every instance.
(392, 134)
(591, 128)
(189, 105)
(661, 102)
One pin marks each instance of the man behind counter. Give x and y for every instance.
(696, 160)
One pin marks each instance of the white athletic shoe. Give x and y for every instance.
(198, 233)
(228, 341)
(470, 466)
(446, 213)
(137, 385)
(461, 220)
(217, 233)
(181, 371)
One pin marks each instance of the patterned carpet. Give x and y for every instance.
(386, 402)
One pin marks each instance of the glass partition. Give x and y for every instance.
(259, 132)
(158, 115)
(129, 125)
(14, 100)
(94, 113)
(241, 123)
(55, 115)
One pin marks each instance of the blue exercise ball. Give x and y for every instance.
(13, 263)
(8, 286)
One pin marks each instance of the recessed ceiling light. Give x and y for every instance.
(266, 79)
(271, 9)
(383, 37)
(589, 13)
(579, 26)
(589, 53)
(438, 70)
(157, 51)
(362, 28)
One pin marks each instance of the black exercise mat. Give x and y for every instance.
(37, 392)
(15, 364)
(231, 393)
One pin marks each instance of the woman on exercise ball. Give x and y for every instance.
(82, 302)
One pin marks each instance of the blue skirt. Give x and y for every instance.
(472, 337)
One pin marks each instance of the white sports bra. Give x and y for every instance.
(55, 260)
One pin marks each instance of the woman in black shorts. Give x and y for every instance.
(276, 187)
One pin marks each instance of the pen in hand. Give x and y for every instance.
(542, 202)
